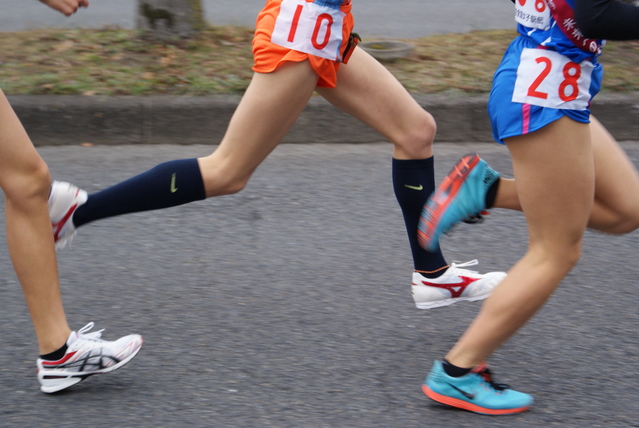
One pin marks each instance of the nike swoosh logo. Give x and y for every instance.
(173, 188)
(462, 392)
(418, 188)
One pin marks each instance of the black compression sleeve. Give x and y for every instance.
(607, 19)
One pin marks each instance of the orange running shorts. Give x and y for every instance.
(299, 30)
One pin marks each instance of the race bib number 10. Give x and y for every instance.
(309, 28)
(548, 79)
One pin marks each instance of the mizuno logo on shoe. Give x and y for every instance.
(455, 289)
(418, 188)
(462, 392)
(173, 188)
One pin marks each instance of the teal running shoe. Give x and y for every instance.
(461, 196)
(475, 392)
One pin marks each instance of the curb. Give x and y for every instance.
(54, 120)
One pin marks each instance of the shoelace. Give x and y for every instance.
(488, 378)
(94, 335)
(470, 219)
(477, 218)
(456, 266)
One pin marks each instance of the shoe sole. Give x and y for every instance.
(448, 302)
(461, 404)
(75, 378)
(442, 198)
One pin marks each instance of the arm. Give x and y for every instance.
(607, 19)
(67, 7)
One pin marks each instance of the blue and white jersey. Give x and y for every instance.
(551, 24)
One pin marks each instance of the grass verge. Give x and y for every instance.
(119, 62)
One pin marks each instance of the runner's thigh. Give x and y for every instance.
(369, 92)
(616, 177)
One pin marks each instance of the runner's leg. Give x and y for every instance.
(554, 172)
(24, 178)
(616, 205)
(269, 108)
(369, 92)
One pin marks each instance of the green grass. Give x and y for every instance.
(120, 62)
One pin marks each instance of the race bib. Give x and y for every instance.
(548, 79)
(532, 13)
(309, 28)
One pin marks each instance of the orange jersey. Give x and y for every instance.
(298, 30)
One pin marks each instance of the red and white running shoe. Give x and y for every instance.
(455, 285)
(64, 199)
(86, 356)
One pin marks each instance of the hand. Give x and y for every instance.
(67, 7)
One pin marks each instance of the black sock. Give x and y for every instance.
(454, 371)
(492, 194)
(167, 185)
(55, 355)
(413, 182)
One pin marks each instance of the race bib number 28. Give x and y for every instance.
(309, 28)
(548, 79)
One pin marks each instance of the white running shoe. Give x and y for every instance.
(87, 355)
(64, 199)
(455, 285)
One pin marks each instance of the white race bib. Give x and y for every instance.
(532, 13)
(548, 79)
(309, 28)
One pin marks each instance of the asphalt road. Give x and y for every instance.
(410, 18)
(288, 305)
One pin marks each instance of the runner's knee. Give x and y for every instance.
(30, 182)
(560, 258)
(629, 218)
(418, 138)
(618, 220)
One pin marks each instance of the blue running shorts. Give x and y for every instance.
(533, 87)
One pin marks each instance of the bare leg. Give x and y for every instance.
(271, 105)
(616, 205)
(24, 178)
(369, 92)
(616, 208)
(555, 178)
